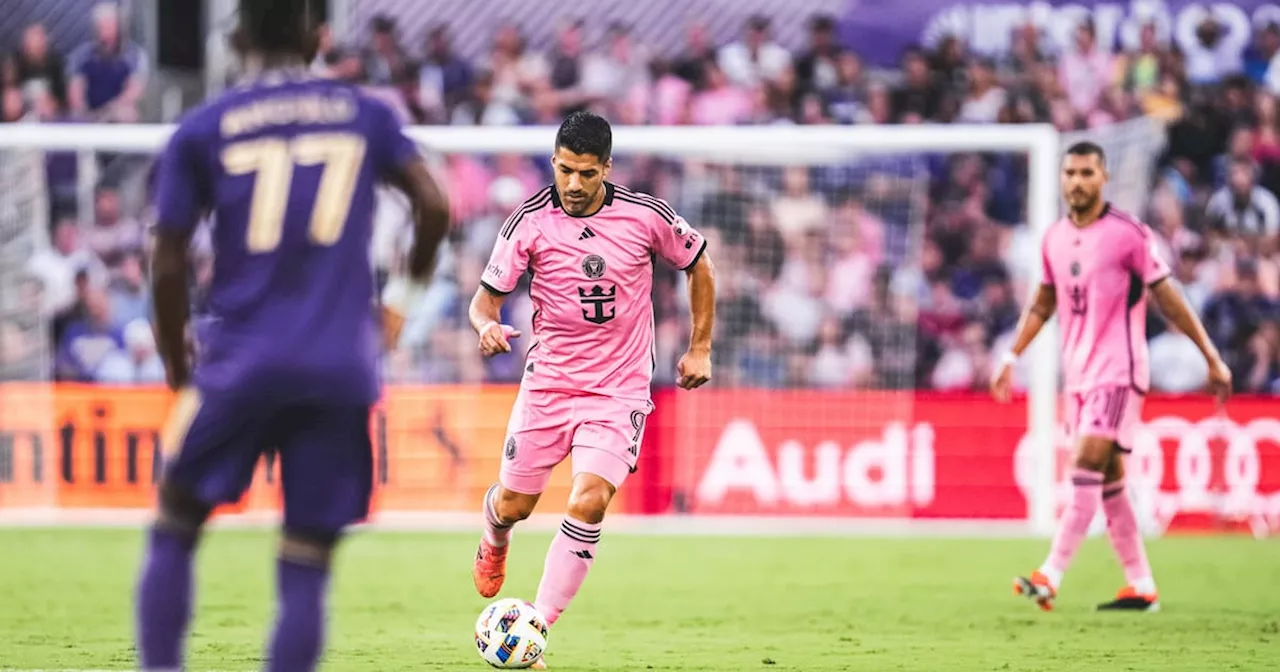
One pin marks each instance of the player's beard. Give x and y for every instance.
(1080, 207)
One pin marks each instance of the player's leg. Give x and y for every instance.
(215, 446)
(1096, 422)
(1139, 592)
(326, 471)
(605, 447)
(537, 440)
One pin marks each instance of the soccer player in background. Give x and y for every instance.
(287, 164)
(1099, 265)
(590, 246)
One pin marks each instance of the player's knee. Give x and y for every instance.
(513, 507)
(181, 511)
(588, 503)
(308, 547)
(1095, 454)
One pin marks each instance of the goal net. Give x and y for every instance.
(865, 276)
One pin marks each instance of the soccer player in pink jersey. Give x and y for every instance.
(590, 246)
(1099, 265)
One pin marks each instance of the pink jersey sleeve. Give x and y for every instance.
(1144, 259)
(676, 241)
(511, 253)
(1046, 274)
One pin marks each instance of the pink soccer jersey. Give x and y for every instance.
(592, 276)
(1100, 274)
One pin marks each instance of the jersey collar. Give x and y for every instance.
(608, 199)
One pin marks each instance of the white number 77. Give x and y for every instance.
(273, 159)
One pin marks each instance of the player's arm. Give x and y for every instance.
(695, 368)
(1176, 309)
(1037, 312)
(179, 203)
(512, 252)
(684, 248)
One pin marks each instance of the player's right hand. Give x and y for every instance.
(1002, 383)
(1220, 379)
(493, 338)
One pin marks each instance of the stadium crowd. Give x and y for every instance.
(897, 272)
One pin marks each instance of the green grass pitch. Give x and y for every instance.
(404, 601)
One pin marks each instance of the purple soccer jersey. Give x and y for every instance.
(289, 349)
(287, 165)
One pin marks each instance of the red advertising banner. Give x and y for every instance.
(909, 454)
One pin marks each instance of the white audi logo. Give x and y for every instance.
(1235, 491)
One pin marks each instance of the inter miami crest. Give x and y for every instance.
(510, 452)
(593, 266)
(1075, 269)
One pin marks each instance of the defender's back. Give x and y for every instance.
(287, 166)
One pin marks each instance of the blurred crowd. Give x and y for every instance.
(898, 272)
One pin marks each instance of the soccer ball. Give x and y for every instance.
(511, 634)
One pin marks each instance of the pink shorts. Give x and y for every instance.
(602, 433)
(1106, 412)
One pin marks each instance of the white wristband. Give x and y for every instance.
(1008, 358)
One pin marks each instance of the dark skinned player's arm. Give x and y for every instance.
(170, 271)
(430, 216)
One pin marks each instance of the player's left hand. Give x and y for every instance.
(694, 369)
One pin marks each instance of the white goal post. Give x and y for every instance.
(777, 145)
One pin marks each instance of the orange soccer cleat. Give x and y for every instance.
(1129, 599)
(490, 568)
(1037, 588)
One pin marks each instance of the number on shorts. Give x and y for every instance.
(637, 423)
(273, 160)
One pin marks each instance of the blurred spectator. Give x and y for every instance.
(1241, 207)
(34, 61)
(443, 77)
(385, 58)
(113, 234)
(129, 294)
(846, 99)
(88, 341)
(1233, 316)
(1216, 52)
(919, 94)
(1141, 69)
(756, 58)
(984, 99)
(619, 65)
(1086, 71)
(817, 69)
(58, 266)
(107, 75)
(566, 68)
(719, 102)
(698, 51)
(137, 363)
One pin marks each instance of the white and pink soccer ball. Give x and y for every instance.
(511, 634)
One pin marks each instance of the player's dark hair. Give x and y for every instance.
(586, 133)
(1087, 148)
(285, 27)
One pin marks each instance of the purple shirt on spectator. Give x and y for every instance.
(106, 73)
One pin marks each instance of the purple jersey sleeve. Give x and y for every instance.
(677, 243)
(1144, 259)
(511, 254)
(180, 199)
(394, 149)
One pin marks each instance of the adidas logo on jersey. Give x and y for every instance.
(587, 233)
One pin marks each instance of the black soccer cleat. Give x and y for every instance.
(1129, 599)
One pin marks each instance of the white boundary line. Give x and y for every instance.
(663, 525)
